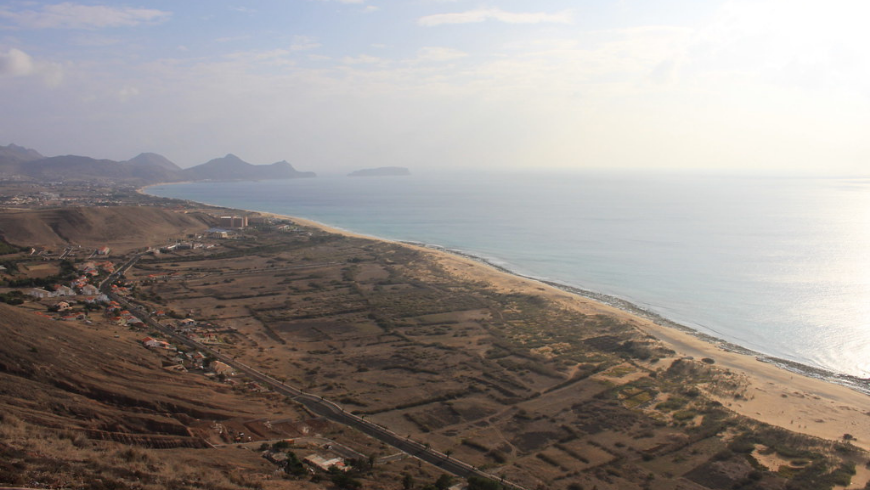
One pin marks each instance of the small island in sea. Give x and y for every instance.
(380, 172)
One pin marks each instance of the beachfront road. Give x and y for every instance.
(314, 403)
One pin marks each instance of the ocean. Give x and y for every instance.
(779, 266)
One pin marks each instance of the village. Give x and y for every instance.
(15, 194)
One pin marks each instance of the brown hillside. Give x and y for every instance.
(86, 407)
(67, 375)
(83, 409)
(120, 227)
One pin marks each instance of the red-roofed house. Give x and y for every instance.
(154, 343)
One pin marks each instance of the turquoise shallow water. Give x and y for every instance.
(779, 266)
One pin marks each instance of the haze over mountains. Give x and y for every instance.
(21, 163)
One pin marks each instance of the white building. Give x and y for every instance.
(64, 291)
(325, 464)
(40, 293)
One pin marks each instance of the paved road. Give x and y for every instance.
(314, 403)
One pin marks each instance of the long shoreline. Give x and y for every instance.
(778, 392)
(858, 384)
(820, 403)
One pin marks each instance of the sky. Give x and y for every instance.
(770, 86)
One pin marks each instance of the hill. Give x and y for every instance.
(151, 167)
(232, 167)
(155, 160)
(88, 407)
(74, 167)
(57, 379)
(12, 156)
(146, 168)
(18, 153)
(119, 227)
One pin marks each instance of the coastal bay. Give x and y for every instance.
(772, 266)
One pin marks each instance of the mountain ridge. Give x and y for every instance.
(153, 159)
(231, 167)
(21, 163)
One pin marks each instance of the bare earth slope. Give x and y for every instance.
(80, 408)
(120, 227)
(65, 375)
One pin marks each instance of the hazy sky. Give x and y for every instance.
(330, 85)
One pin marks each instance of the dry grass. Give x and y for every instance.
(36, 456)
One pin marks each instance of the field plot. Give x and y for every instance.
(543, 394)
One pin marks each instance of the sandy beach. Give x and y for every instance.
(775, 395)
